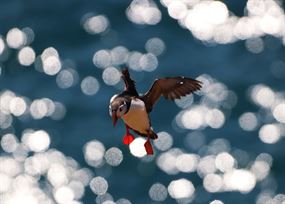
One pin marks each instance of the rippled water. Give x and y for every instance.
(60, 65)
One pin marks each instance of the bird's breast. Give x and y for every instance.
(137, 117)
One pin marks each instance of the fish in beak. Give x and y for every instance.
(114, 118)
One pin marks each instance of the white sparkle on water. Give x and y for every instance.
(18, 106)
(187, 162)
(216, 202)
(213, 183)
(2, 45)
(26, 56)
(9, 142)
(111, 76)
(96, 24)
(137, 147)
(66, 78)
(90, 85)
(100, 199)
(269, 133)
(114, 156)
(158, 192)
(119, 55)
(155, 46)
(123, 201)
(164, 141)
(37, 141)
(148, 62)
(143, 12)
(51, 65)
(279, 112)
(16, 38)
(239, 180)
(99, 185)
(64, 194)
(181, 189)
(134, 61)
(248, 121)
(224, 162)
(102, 59)
(94, 152)
(177, 9)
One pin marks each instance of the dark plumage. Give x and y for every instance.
(134, 109)
(171, 88)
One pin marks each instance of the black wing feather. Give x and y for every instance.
(130, 86)
(171, 88)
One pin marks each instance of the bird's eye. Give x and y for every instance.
(120, 109)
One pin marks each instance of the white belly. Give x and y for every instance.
(137, 117)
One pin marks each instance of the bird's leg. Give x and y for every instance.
(148, 146)
(128, 138)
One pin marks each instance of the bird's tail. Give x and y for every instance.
(153, 135)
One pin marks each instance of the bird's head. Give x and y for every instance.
(117, 108)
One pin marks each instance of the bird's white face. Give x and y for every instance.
(122, 110)
(117, 108)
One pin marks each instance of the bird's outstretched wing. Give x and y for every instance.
(171, 88)
(130, 86)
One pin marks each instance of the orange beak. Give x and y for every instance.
(114, 118)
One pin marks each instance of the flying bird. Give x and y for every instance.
(134, 109)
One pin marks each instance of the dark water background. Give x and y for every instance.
(57, 24)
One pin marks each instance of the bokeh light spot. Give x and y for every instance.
(16, 38)
(123, 201)
(279, 112)
(164, 141)
(51, 65)
(18, 106)
(137, 147)
(240, 180)
(187, 162)
(99, 185)
(177, 9)
(96, 24)
(157, 192)
(224, 162)
(111, 76)
(155, 46)
(90, 85)
(37, 141)
(94, 152)
(143, 12)
(248, 121)
(269, 133)
(26, 56)
(216, 202)
(9, 143)
(148, 62)
(64, 194)
(102, 59)
(2, 45)
(213, 183)
(114, 156)
(215, 118)
(181, 188)
(66, 78)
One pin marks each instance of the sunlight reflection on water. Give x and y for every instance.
(31, 171)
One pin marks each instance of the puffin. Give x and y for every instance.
(134, 109)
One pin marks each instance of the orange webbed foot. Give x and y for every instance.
(148, 147)
(128, 139)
